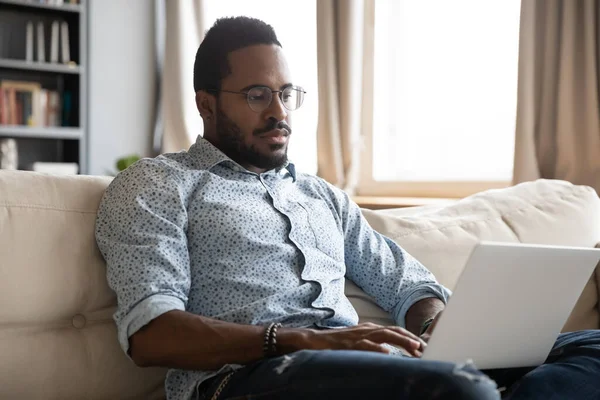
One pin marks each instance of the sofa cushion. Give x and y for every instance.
(57, 336)
(442, 237)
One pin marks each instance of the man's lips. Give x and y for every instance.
(275, 133)
(275, 136)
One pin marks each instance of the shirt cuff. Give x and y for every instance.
(145, 311)
(422, 292)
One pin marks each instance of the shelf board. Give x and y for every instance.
(45, 132)
(73, 8)
(38, 66)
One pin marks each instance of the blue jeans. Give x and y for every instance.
(572, 371)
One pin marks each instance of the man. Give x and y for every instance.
(210, 250)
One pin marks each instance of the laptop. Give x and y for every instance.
(510, 304)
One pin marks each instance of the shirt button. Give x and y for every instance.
(78, 321)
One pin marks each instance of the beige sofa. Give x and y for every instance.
(57, 338)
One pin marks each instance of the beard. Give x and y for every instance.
(231, 142)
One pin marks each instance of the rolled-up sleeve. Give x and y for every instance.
(379, 266)
(141, 232)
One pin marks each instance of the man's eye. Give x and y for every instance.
(257, 98)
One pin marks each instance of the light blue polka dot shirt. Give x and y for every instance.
(195, 231)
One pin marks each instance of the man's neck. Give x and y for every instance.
(248, 167)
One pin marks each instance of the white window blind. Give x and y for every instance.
(445, 90)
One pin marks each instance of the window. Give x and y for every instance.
(295, 23)
(444, 97)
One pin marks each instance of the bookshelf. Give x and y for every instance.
(46, 6)
(43, 97)
(37, 66)
(22, 132)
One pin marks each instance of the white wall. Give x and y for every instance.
(121, 87)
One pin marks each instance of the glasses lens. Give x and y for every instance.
(259, 98)
(292, 98)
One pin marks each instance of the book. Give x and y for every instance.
(28, 117)
(53, 109)
(5, 114)
(27, 103)
(43, 108)
(56, 168)
(29, 42)
(66, 108)
(13, 106)
(54, 42)
(64, 44)
(41, 51)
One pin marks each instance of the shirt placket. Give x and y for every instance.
(300, 234)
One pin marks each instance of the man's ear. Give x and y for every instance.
(206, 104)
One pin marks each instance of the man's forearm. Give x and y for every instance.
(182, 340)
(421, 311)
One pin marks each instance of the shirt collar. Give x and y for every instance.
(207, 156)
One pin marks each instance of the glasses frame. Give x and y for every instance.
(279, 94)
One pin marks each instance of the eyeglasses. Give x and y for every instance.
(259, 98)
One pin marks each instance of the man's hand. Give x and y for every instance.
(367, 337)
(427, 334)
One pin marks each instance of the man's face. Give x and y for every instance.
(256, 140)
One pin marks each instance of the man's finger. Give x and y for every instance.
(396, 339)
(426, 336)
(368, 345)
(408, 333)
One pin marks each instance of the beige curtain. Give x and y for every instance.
(184, 32)
(558, 122)
(341, 28)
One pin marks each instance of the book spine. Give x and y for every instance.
(54, 37)
(41, 43)
(12, 106)
(66, 109)
(28, 109)
(54, 109)
(19, 107)
(29, 42)
(64, 43)
(35, 107)
(5, 107)
(43, 120)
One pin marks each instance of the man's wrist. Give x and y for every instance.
(421, 312)
(290, 340)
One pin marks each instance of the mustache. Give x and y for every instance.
(273, 124)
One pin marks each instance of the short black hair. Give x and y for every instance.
(225, 36)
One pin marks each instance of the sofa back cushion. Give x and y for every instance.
(57, 336)
(442, 237)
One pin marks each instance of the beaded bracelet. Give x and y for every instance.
(270, 343)
(425, 326)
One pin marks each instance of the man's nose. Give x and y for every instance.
(276, 109)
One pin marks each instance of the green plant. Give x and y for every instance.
(125, 162)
